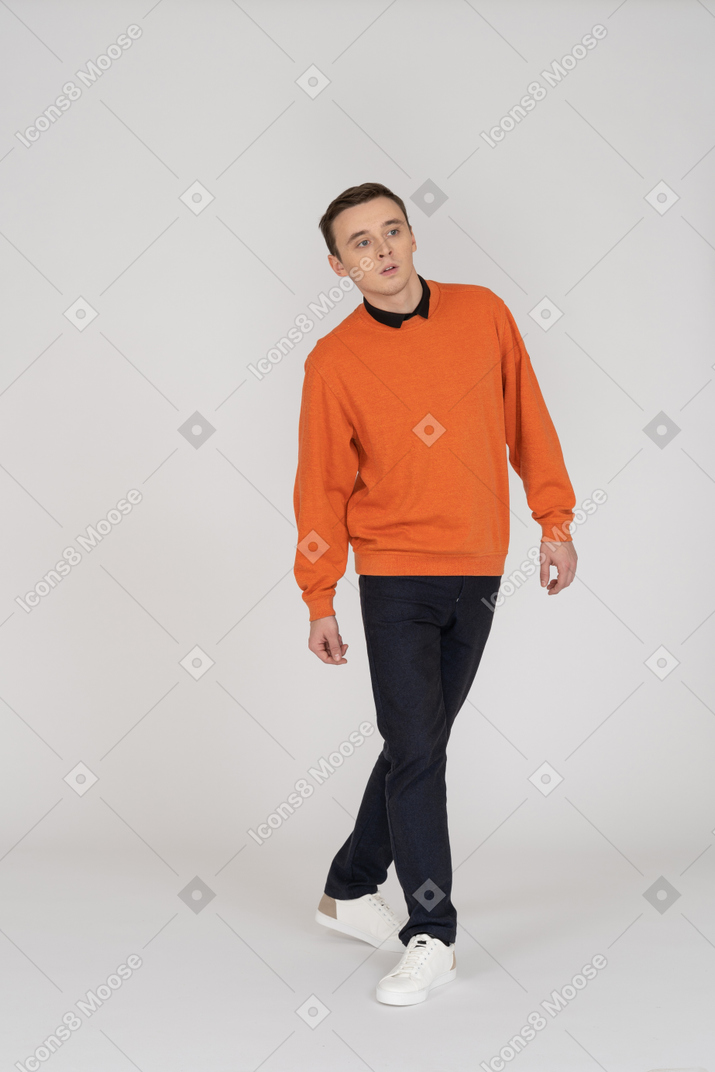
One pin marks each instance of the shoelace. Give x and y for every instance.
(384, 907)
(412, 960)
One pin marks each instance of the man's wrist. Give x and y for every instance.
(557, 533)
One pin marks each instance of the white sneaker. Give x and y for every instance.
(368, 917)
(427, 962)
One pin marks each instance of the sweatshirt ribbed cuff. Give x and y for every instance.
(321, 608)
(553, 530)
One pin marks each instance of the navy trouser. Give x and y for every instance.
(425, 637)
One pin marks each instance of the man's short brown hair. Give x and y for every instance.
(354, 195)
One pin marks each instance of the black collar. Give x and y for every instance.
(394, 320)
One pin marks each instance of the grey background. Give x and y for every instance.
(185, 301)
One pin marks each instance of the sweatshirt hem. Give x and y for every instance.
(415, 563)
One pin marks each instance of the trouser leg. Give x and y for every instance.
(425, 637)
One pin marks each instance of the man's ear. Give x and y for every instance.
(335, 264)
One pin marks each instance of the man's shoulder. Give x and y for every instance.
(332, 345)
(472, 294)
(323, 354)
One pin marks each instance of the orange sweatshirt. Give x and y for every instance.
(401, 445)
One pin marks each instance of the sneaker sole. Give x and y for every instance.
(393, 944)
(391, 997)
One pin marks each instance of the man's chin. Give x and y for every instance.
(385, 281)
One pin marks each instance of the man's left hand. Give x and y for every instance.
(563, 556)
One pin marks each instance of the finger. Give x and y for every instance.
(326, 656)
(558, 581)
(565, 576)
(545, 572)
(322, 650)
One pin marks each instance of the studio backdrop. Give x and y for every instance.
(178, 769)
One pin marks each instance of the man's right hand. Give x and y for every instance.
(325, 641)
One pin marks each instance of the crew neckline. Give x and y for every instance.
(414, 323)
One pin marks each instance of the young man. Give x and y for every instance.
(406, 410)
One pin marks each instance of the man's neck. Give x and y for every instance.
(404, 301)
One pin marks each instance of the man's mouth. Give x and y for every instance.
(390, 270)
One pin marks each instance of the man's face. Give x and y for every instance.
(370, 238)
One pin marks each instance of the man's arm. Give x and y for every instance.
(535, 454)
(327, 467)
